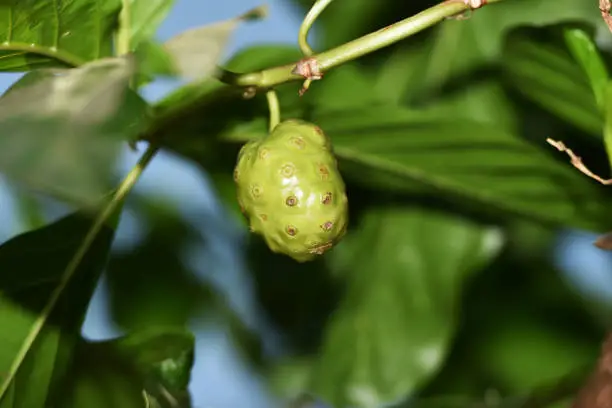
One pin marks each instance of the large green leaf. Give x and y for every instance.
(33, 268)
(62, 130)
(50, 33)
(405, 268)
(150, 368)
(393, 148)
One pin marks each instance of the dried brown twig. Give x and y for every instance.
(604, 7)
(577, 162)
(597, 392)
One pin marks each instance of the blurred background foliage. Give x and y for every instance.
(446, 297)
(445, 292)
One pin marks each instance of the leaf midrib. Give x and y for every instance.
(370, 160)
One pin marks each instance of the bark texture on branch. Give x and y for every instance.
(597, 391)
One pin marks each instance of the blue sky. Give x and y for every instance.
(220, 380)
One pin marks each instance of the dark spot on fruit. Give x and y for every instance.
(256, 191)
(319, 249)
(263, 217)
(319, 130)
(287, 170)
(327, 198)
(298, 142)
(323, 171)
(264, 153)
(291, 201)
(291, 230)
(327, 226)
(236, 175)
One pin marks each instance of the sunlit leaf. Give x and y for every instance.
(585, 52)
(39, 34)
(405, 269)
(145, 17)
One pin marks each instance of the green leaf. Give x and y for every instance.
(152, 60)
(607, 132)
(547, 352)
(565, 91)
(55, 33)
(457, 48)
(145, 17)
(62, 129)
(33, 267)
(390, 334)
(196, 52)
(397, 149)
(582, 46)
(154, 364)
(480, 39)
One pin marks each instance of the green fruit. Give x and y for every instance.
(291, 192)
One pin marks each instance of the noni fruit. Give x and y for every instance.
(291, 192)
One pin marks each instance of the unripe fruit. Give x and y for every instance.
(291, 192)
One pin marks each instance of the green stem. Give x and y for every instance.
(354, 49)
(64, 57)
(114, 204)
(124, 33)
(274, 107)
(314, 13)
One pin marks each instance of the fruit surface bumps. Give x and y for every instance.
(291, 192)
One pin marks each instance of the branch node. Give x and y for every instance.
(604, 7)
(471, 5)
(310, 69)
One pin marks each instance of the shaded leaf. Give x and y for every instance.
(33, 265)
(565, 92)
(397, 149)
(62, 129)
(547, 352)
(458, 47)
(479, 39)
(405, 269)
(154, 364)
(197, 51)
(56, 33)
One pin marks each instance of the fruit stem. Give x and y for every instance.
(358, 47)
(274, 107)
(314, 13)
